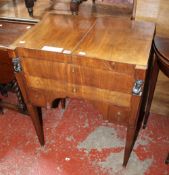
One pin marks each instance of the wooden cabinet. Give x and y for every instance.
(9, 32)
(113, 7)
(103, 60)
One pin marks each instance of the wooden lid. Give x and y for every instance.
(56, 33)
(119, 40)
(107, 38)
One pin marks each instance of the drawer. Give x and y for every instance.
(103, 79)
(93, 63)
(80, 75)
(97, 94)
(78, 91)
(48, 69)
(118, 115)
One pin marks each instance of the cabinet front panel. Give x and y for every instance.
(72, 90)
(102, 79)
(84, 76)
(118, 115)
(92, 63)
(48, 69)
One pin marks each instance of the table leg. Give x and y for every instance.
(146, 89)
(130, 140)
(167, 159)
(32, 110)
(152, 85)
(21, 104)
(37, 122)
(13, 86)
(29, 5)
(63, 103)
(132, 129)
(1, 109)
(74, 6)
(4, 88)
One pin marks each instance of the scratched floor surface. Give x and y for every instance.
(79, 142)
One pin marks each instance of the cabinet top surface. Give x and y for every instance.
(10, 31)
(56, 32)
(107, 38)
(118, 39)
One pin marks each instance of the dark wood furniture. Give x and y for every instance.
(103, 60)
(160, 62)
(74, 6)
(9, 32)
(123, 5)
(29, 5)
(167, 159)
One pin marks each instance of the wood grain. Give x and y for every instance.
(9, 32)
(149, 10)
(104, 42)
(73, 27)
(48, 75)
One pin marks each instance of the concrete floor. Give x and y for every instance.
(79, 142)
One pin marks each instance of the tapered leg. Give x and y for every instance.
(74, 7)
(132, 128)
(1, 109)
(29, 5)
(146, 89)
(63, 103)
(37, 122)
(130, 140)
(21, 104)
(167, 159)
(152, 85)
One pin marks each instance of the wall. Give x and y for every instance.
(156, 11)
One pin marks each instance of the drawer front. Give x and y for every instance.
(100, 95)
(79, 75)
(95, 63)
(73, 90)
(102, 79)
(119, 115)
(48, 69)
